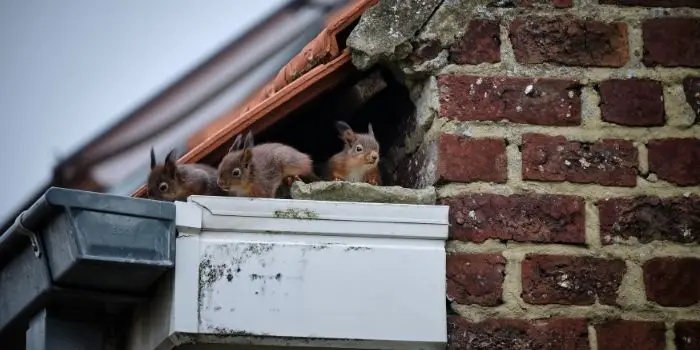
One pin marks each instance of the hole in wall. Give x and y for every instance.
(374, 96)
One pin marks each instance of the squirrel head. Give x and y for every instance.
(236, 168)
(165, 180)
(362, 150)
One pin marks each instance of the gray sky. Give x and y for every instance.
(69, 68)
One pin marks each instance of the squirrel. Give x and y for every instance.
(258, 171)
(175, 182)
(359, 159)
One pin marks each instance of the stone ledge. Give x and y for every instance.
(361, 192)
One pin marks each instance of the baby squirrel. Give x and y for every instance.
(258, 171)
(359, 159)
(175, 182)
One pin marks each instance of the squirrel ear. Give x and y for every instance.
(170, 161)
(370, 131)
(346, 132)
(153, 158)
(247, 157)
(248, 143)
(236, 144)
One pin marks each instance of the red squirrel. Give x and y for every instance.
(175, 182)
(258, 171)
(359, 159)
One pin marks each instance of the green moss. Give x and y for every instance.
(300, 214)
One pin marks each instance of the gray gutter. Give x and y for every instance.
(82, 251)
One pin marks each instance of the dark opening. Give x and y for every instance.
(365, 97)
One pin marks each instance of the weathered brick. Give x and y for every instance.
(518, 100)
(475, 278)
(464, 159)
(554, 158)
(675, 160)
(671, 281)
(533, 3)
(691, 86)
(632, 102)
(653, 3)
(521, 218)
(563, 3)
(570, 280)
(650, 219)
(637, 335)
(687, 335)
(507, 334)
(480, 44)
(569, 41)
(671, 42)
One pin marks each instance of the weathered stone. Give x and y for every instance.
(475, 278)
(571, 280)
(480, 44)
(554, 158)
(671, 42)
(675, 160)
(653, 3)
(687, 335)
(625, 334)
(569, 41)
(691, 87)
(554, 333)
(450, 21)
(386, 29)
(673, 219)
(520, 217)
(632, 102)
(361, 192)
(535, 101)
(671, 281)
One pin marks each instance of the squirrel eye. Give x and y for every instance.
(236, 172)
(163, 187)
(358, 148)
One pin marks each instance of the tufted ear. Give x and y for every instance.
(346, 132)
(170, 162)
(236, 144)
(153, 158)
(370, 131)
(248, 144)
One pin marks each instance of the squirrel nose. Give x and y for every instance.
(374, 157)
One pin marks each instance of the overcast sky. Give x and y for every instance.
(69, 68)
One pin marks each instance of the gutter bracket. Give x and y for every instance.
(33, 237)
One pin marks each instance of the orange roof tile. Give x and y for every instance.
(317, 68)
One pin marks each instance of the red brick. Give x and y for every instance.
(691, 86)
(508, 334)
(475, 278)
(463, 159)
(570, 280)
(521, 218)
(675, 160)
(687, 335)
(554, 158)
(569, 41)
(671, 281)
(637, 335)
(518, 100)
(632, 102)
(671, 42)
(480, 44)
(650, 219)
(653, 3)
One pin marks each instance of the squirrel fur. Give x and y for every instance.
(175, 182)
(258, 171)
(359, 159)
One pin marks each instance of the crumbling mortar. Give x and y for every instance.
(678, 112)
(670, 336)
(592, 337)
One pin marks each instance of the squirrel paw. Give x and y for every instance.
(290, 179)
(337, 179)
(373, 182)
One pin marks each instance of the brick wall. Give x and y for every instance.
(565, 137)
